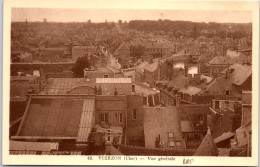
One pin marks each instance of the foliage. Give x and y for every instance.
(78, 68)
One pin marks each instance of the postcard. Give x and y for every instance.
(151, 82)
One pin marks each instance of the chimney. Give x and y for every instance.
(99, 90)
(228, 73)
(170, 69)
(197, 78)
(115, 92)
(133, 88)
(204, 83)
(95, 90)
(186, 70)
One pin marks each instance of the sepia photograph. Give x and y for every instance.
(131, 85)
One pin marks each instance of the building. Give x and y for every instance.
(102, 72)
(139, 71)
(80, 51)
(123, 54)
(193, 124)
(151, 73)
(162, 128)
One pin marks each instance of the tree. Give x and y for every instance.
(78, 68)
(119, 21)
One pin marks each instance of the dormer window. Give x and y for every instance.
(228, 92)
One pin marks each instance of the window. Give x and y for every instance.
(171, 143)
(120, 117)
(227, 92)
(144, 100)
(216, 104)
(106, 76)
(200, 119)
(170, 135)
(134, 114)
(104, 117)
(174, 102)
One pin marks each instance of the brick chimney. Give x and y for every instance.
(115, 92)
(99, 90)
(133, 88)
(170, 69)
(186, 70)
(228, 73)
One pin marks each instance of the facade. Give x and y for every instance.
(123, 53)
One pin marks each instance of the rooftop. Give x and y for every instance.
(207, 147)
(161, 121)
(239, 73)
(57, 116)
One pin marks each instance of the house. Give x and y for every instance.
(139, 71)
(193, 123)
(123, 54)
(151, 73)
(100, 72)
(80, 51)
(162, 127)
(202, 61)
(218, 64)
(157, 50)
(232, 82)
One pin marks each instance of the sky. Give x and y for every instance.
(101, 15)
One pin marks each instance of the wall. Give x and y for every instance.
(109, 88)
(98, 74)
(110, 105)
(135, 129)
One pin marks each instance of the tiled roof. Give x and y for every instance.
(205, 57)
(221, 60)
(145, 90)
(58, 117)
(63, 85)
(178, 82)
(218, 86)
(240, 73)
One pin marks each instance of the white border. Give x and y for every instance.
(129, 4)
